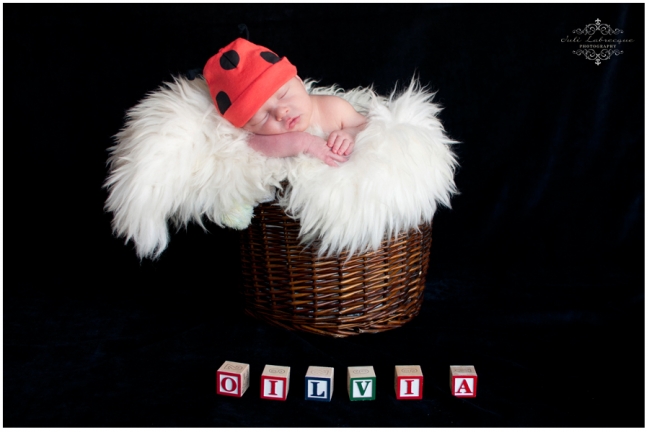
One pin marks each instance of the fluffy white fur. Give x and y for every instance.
(400, 169)
(177, 159)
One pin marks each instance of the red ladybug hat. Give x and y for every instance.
(242, 76)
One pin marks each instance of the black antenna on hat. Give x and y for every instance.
(242, 28)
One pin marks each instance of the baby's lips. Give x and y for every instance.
(292, 122)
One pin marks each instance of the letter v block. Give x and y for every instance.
(361, 383)
(464, 381)
(408, 382)
(232, 379)
(319, 383)
(274, 382)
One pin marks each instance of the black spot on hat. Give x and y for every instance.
(223, 102)
(269, 57)
(229, 60)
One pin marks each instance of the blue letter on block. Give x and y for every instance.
(318, 389)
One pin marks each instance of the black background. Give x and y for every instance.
(536, 273)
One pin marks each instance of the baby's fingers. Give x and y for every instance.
(331, 162)
(339, 158)
(346, 147)
(338, 145)
(334, 159)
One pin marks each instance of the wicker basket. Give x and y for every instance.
(284, 282)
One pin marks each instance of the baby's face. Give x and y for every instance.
(288, 110)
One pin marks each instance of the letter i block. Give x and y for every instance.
(319, 383)
(361, 383)
(464, 381)
(274, 382)
(408, 382)
(232, 379)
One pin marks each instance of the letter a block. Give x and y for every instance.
(232, 379)
(464, 381)
(274, 382)
(408, 382)
(361, 383)
(319, 383)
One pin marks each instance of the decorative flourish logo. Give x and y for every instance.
(588, 47)
(591, 29)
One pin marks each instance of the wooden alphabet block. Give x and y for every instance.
(361, 383)
(319, 383)
(464, 381)
(408, 382)
(275, 382)
(232, 379)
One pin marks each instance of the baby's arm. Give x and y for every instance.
(292, 144)
(342, 141)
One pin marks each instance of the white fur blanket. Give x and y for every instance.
(176, 160)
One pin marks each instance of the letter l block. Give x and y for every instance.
(319, 383)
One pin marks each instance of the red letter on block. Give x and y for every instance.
(464, 381)
(274, 382)
(232, 379)
(408, 382)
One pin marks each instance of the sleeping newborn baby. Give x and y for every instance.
(254, 89)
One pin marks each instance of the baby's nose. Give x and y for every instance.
(281, 113)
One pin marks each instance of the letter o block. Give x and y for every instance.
(408, 382)
(319, 383)
(274, 382)
(464, 381)
(232, 379)
(361, 383)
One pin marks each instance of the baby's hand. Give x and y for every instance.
(341, 142)
(318, 147)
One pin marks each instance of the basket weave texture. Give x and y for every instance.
(286, 284)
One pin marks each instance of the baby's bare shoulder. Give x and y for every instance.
(335, 107)
(330, 102)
